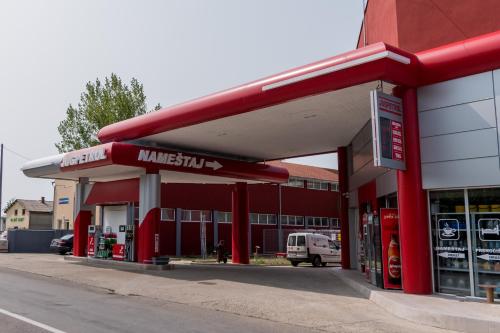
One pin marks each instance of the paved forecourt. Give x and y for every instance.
(306, 297)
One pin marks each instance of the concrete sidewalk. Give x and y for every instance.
(438, 311)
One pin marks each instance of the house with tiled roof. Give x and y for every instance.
(29, 214)
(309, 176)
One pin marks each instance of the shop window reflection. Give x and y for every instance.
(484, 208)
(449, 242)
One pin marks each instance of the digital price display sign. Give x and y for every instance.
(387, 131)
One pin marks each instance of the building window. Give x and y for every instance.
(167, 214)
(196, 216)
(334, 187)
(292, 220)
(223, 217)
(15, 212)
(317, 185)
(24, 212)
(295, 182)
(313, 221)
(262, 218)
(334, 223)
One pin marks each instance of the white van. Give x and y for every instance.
(314, 248)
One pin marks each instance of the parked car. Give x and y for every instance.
(4, 244)
(312, 248)
(62, 245)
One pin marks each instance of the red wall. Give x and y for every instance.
(167, 239)
(263, 199)
(416, 25)
(301, 201)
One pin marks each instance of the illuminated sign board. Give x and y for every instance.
(387, 131)
(83, 157)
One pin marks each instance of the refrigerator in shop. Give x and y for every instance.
(372, 246)
(391, 257)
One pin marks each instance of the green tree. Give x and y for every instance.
(100, 104)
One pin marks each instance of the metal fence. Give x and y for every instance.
(271, 238)
(32, 241)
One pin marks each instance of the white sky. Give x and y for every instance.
(179, 50)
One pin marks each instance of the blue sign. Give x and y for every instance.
(63, 201)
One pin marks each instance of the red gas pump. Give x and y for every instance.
(94, 231)
(119, 247)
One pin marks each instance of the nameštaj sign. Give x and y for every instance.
(177, 159)
(83, 157)
(387, 131)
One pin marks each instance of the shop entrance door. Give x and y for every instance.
(450, 242)
(465, 226)
(484, 210)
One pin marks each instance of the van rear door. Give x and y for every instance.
(296, 246)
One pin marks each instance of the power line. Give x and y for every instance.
(17, 154)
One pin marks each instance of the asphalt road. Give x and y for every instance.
(72, 308)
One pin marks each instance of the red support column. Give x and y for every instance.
(81, 229)
(149, 218)
(413, 217)
(240, 224)
(344, 207)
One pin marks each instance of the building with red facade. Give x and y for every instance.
(413, 114)
(309, 200)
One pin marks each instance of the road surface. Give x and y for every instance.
(71, 308)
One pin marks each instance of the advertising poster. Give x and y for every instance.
(91, 245)
(391, 258)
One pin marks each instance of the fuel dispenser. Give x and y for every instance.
(119, 247)
(123, 250)
(94, 232)
(129, 242)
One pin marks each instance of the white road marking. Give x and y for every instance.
(31, 321)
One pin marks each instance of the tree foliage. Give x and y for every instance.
(100, 104)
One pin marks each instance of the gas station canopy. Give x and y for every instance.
(309, 110)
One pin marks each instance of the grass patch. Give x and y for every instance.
(269, 261)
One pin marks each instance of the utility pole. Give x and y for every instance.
(1, 176)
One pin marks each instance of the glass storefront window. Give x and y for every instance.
(484, 210)
(449, 242)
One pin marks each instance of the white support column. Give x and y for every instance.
(149, 217)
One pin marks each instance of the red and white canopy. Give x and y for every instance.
(308, 110)
(116, 160)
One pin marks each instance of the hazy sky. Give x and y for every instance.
(179, 50)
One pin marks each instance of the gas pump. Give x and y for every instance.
(94, 232)
(129, 242)
(119, 247)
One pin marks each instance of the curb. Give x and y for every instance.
(460, 322)
(129, 266)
